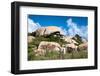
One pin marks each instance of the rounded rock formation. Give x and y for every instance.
(46, 30)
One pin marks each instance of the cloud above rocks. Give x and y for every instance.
(74, 29)
(32, 26)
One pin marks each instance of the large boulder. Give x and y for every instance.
(45, 46)
(40, 31)
(30, 39)
(46, 30)
(69, 40)
(83, 46)
(51, 29)
(71, 47)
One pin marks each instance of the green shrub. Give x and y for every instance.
(31, 54)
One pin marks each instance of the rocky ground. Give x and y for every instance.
(49, 43)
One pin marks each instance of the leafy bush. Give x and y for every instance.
(31, 54)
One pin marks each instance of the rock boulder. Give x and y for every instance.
(47, 46)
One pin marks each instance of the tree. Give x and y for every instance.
(78, 39)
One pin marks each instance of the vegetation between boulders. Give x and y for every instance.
(52, 55)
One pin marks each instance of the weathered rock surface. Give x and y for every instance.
(83, 46)
(71, 47)
(47, 46)
(46, 30)
(69, 40)
(30, 39)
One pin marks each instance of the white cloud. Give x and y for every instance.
(32, 26)
(74, 29)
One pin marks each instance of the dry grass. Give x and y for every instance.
(55, 55)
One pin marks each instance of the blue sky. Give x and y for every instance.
(70, 25)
